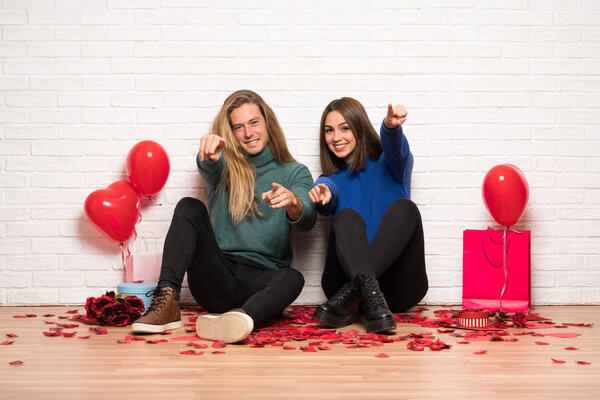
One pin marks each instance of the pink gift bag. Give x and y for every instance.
(143, 267)
(492, 281)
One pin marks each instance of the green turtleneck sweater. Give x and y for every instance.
(264, 239)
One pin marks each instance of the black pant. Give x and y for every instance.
(395, 256)
(221, 281)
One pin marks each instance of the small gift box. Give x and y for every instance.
(141, 290)
(496, 270)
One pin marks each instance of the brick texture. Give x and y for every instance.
(484, 82)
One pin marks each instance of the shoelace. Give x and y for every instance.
(159, 297)
(347, 291)
(375, 298)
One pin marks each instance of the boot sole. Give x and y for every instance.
(334, 321)
(381, 325)
(230, 327)
(139, 327)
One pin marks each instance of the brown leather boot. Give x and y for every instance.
(162, 314)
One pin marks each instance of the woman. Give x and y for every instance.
(375, 256)
(237, 252)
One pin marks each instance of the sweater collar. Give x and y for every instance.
(262, 158)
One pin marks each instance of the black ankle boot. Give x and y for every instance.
(378, 317)
(341, 309)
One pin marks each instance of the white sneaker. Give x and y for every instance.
(229, 327)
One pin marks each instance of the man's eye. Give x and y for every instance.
(328, 130)
(254, 123)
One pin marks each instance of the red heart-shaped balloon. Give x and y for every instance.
(147, 167)
(114, 211)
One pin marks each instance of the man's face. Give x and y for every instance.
(249, 128)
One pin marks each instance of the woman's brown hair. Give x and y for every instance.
(368, 142)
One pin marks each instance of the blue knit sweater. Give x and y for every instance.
(373, 189)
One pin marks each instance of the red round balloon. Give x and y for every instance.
(114, 211)
(147, 167)
(505, 193)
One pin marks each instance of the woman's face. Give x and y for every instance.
(338, 136)
(249, 128)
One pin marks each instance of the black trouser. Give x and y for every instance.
(220, 281)
(395, 256)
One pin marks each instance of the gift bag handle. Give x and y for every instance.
(505, 243)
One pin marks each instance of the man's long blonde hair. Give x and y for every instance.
(239, 175)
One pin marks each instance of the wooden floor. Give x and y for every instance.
(101, 368)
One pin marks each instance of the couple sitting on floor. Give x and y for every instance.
(236, 249)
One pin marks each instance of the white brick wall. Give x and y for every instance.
(485, 82)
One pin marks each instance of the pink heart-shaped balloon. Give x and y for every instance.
(114, 211)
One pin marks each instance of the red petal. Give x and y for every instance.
(72, 311)
(123, 341)
(463, 342)
(30, 315)
(514, 339)
(19, 316)
(18, 362)
(69, 334)
(218, 352)
(289, 348)
(583, 362)
(323, 348)
(7, 343)
(382, 355)
(83, 337)
(308, 349)
(157, 341)
(12, 335)
(48, 315)
(219, 344)
(140, 281)
(571, 348)
(480, 352)
(542, 343)
(558, 361)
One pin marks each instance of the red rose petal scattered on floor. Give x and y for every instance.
(123, 341)
(7, 343)
(219, 344)
(289, 348)
(48, 315)
(558, 361)
(571, 348)
(19, 316)
(564, 335)
(542, 343)
(463, 342)
(513, 339)
(583, 362)
(83, 337)
(218, 352)
(31, 315)
(69, 334)
(99, 331)
(17, 362)
(323, 347)
(51, 333)
(480, 352)
(12, 335)
(157, 341)
(72, 311)
(444, 330)
(382, 355)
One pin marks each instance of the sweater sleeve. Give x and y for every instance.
(300, 185)
(396, 153)
(210, 170)
(330, 207)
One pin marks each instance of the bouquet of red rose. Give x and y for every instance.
(114, 310)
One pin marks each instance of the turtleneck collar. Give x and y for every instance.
(261, 158)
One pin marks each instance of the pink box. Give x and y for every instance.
(484, 276)
(143, 267)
